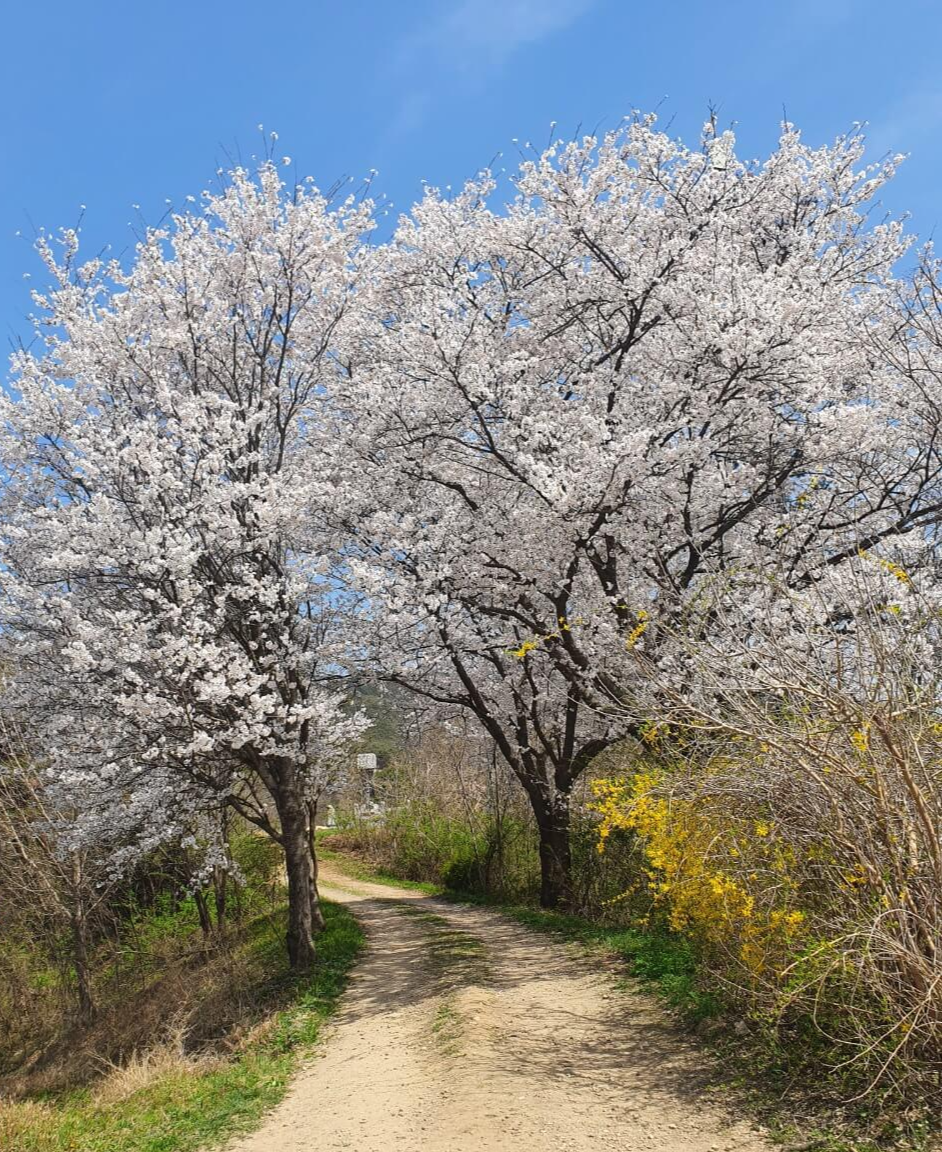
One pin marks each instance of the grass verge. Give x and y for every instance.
(197, 1107)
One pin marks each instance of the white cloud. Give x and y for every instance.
(461, 45)
(500, 27)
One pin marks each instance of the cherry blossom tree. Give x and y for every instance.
(655, 365)
(167, 601)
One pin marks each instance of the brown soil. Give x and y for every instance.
(461, 1031)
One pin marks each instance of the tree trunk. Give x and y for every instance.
(79, 926)
(317, 915)
(202, 909)
(220, 893)
(552, 819)
(86, 999)
(294, 831)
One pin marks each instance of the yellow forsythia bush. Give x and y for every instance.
(721, 879)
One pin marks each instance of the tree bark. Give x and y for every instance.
(294, 833)
(553, 822)
(202, 909)
(317, 915)
(220, 894)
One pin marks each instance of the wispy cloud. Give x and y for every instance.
(464, 44)
(492, 30)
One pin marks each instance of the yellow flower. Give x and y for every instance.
(703, 870)
(638, 631)
(525, 647)
(861, 739)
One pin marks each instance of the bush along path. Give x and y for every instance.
(464, 1031)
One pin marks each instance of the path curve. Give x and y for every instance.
(464, 1032)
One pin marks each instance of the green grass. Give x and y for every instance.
(456, 960)
(447, 1028)
(456, 955)
(195, 1110)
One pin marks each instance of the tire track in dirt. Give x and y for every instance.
(462, 1031)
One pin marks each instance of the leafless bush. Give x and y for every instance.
(832, 737)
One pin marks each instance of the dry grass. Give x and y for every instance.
(831, 750)
(167, 1058)
(174, 1095)
(190, 1003)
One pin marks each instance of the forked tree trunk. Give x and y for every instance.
(292, 814)
(202, 910)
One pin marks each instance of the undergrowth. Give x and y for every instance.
(197, 1100)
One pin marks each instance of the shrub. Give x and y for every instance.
(804, 869)
(727, 881)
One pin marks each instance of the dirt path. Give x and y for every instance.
(464, 1032)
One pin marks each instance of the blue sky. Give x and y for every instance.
(112, 104)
